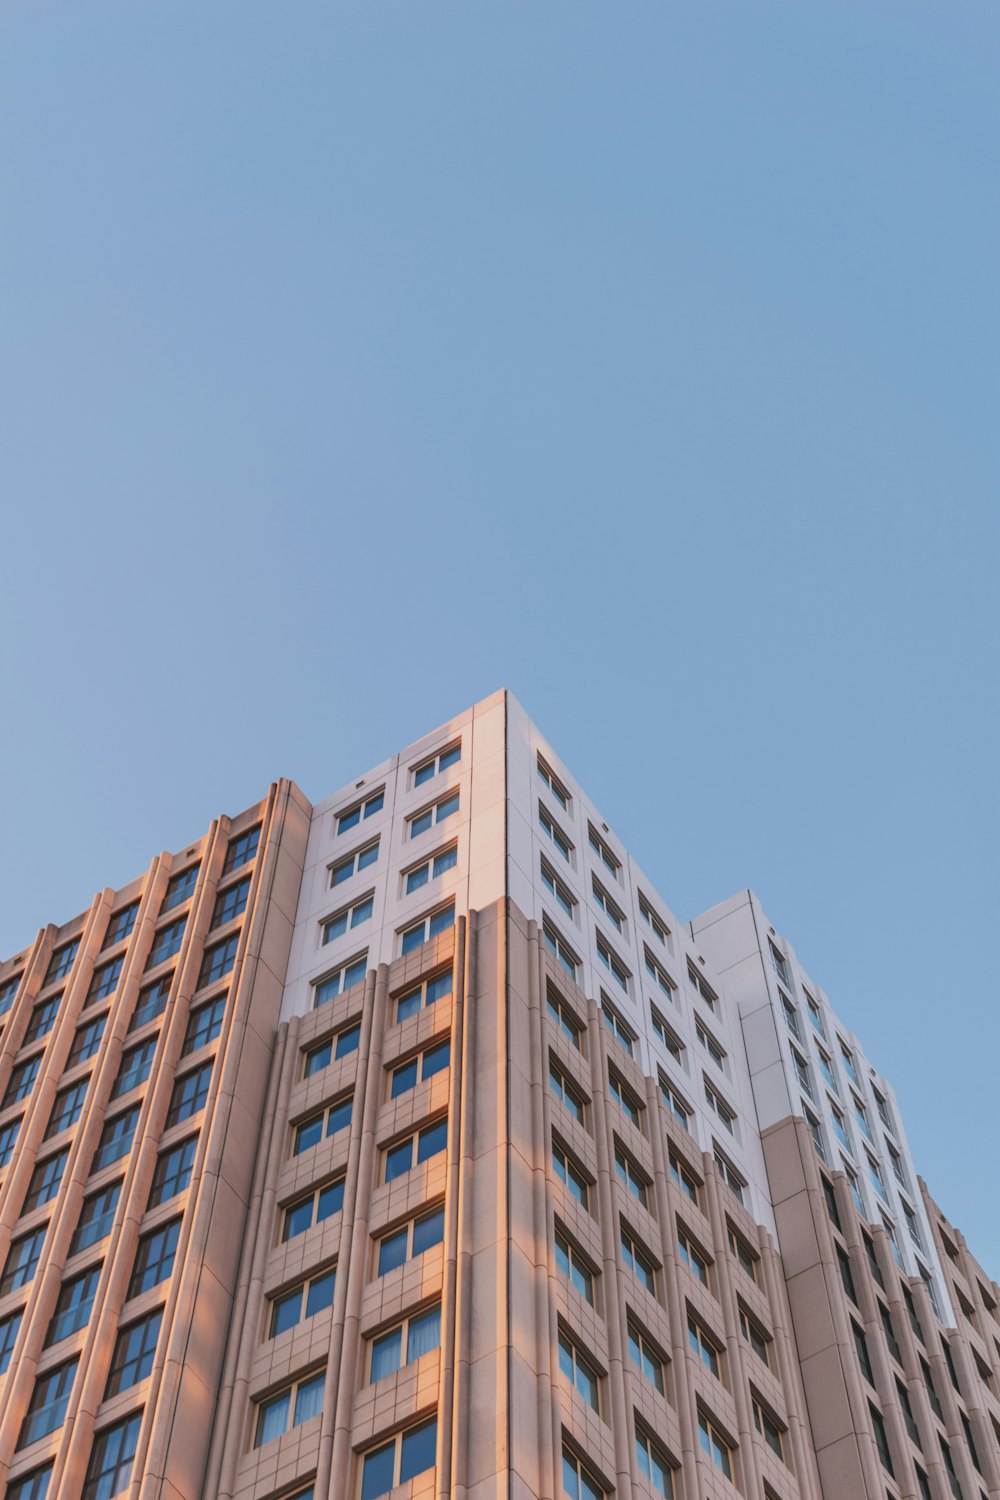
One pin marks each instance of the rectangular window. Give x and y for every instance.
(431, 869)
(422, 995)
(768, 1427)
(566, 1092)
(322, 1203)
(659, 929)
(428, 769)
(719, 1107)
(354, 863)
(610, 908)
(132, 1359)
(677, 1106)
(96, 1218)
(22, 1261)
(573, 1266)
(702, 988)
(552, 831)
(66, 1107)
(693, 1257)
(33, 1486)
(571, 1174)
(815, 1018)
(578, 1482)
(190, 1094)
(559, 1012)
(705, 1347)
(846, 1276)
(603, 851)
(734, 1182)
(550, 780)
(715, 1445)
(609, 958)
(116, 1138)
(431, 816)
(658, 975)
(410, 1241)
(61, 962)
(241, 850)
(152, 1002)
(8, 1140)
(49, 1400)
(864, 1360)
(341, 1044)
(711, 1046)
(755, 1336)
(779, 965)
(22, 1081)
(204, 1025)
(637, 1261)
(847, 1059)
(560, 893)
(428, 927)
(341, 980)
(667, 1036)
(578, 1371)
(646, 1356)
(303, 1301)
(104, 981)
(815, 1130)
(415, 1149)
(42, 1020)
(401, 1459)
(218, 961)
(420, 1068)
(166, 942)
(415, 1336)
(881, 1440)
(121, 924)
(173, 1171)
(684, 1177)
(231, 902)
(559, 949)
(45, 1179)
(180, 887)
(154, 1258)
(289, 1408)
(349, 917)
(86, 1042)
(8, 993)
(329, 1121)
(747, 1258)
(111, 1459)
(625, 1099)
(618, 1026)
(9, 1328)
(135, 1065)
(654, 1464)
(791, 1017)
(365, 809)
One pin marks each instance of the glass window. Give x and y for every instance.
(154, 1258)
(231, 902)
(9, 1328)
(676, 1105)
(151, 1003)
(320, 1204)
(563, 1017)
(116, 1138)
(630, 1175)
(49, 1400)
(33, 1486)
(345, 978)
(42, 1020)
(693, 1257)
(86, 1042)
(609, 958)
(419, 1069)
(241, 850)
(351, 916)
(96, 1217)
(173, 1171)
(431, 868)
(111, 1459)
(66, 1108)
(135, 1065)
(303, 1301)
(410, 1241)
(715, 1445)
(705, 1347)
(415, 1336)
(394, 1463)
(768, 1427)
(660, 929)
(121, 924)
(180, 887)
(549, 779)
(622, 1033)
(22, 1260)
(437, 763)
(569, 1173)
(578, 1371)
(22, 1081)
(638, 1262)
(166, 942)
(566, 1092)
(204, 1025)
(683, 1176)
(711, 1046)
(61, 962)
(290, 1408)
(400, 1158)
(610, 908)
(354, 863)
(8, 993)
(560, 893)
(654, 1465)
(189, 1095)
(45, 1179)
(645, 1356)
(8, 1139)
(133, 1354)
(428, 927)
(552, 831)
(746, 1257)
(572, 1265)
(658, 974)
(218, 961)
(367, 809)
(603, 851)
(327, 1122)
(578, 1482)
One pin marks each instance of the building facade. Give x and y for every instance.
(409, 1144)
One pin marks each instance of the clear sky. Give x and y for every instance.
(359, 359)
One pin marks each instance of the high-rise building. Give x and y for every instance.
(409, 1144)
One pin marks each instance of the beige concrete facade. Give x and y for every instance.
(409, 1145)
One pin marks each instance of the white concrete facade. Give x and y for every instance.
(699, 1003)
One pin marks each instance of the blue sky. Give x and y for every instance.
(360, 359)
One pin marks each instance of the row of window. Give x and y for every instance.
(109, 1471)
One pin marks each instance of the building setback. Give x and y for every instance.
(408, 1144)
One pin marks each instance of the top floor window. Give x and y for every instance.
(180, 887)
(603, 851)
(551, 781)
(779, 965)
(437, 763)
(61, 962)
(366, 808)
(121, 924)
(241, 850)
(815, 1016)
(8, 993)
